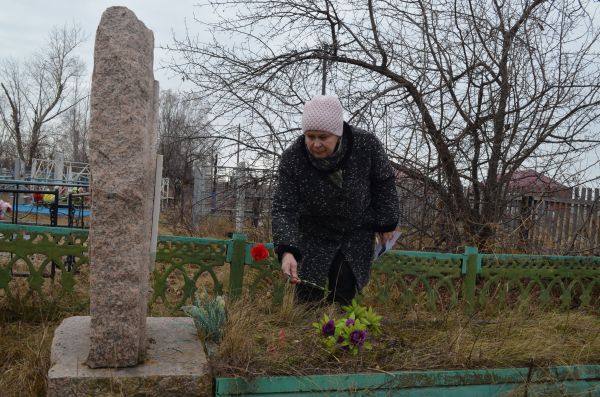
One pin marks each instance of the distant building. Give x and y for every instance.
(531, 182)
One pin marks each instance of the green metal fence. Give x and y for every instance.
(182, 264)
(581, 380)
(46, 258)
(49, 260)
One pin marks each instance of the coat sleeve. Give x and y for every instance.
(285, 217)
(384, 196)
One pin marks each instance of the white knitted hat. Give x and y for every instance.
(323, 113)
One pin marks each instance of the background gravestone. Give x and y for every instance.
(123, 160)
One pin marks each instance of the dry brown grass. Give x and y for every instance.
(217, 226)
(25, 356)
(265, 340)
(261, 339)
(26, 333)
(411, 339)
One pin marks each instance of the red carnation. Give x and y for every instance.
(259, 252)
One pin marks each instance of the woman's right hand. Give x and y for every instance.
(289, 267)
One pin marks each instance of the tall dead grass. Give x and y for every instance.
(218, 225)
(27, 327)
(26, 333)
(25, 358)
(263, 340)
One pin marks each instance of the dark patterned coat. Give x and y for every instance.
(313, 218)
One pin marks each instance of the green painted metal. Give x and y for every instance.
(229, 257)
(193, 240)
(500, 279)
(37, 253)
(425, 254)
(544, 279)
(469, 253)
(470, 278)
(402, 277)
(60, 231)
(265, 274)
(36, 250)
(591, 259)
(236, 266)
(569, 380)
(180, 263)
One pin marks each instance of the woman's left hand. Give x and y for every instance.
(385, 237)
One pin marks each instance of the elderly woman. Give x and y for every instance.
(336, 189)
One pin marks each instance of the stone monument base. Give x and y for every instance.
(175, 364)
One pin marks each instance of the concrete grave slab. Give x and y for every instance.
(175, 363)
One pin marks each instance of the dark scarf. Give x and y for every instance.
(331, 164)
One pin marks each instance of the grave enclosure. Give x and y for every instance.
(118, 347)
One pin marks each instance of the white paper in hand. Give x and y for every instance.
(381, 248)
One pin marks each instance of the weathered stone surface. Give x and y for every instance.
(122, 160)
(175, 364)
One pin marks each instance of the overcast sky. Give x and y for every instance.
(25, 24)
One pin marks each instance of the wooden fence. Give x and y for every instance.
(565, 222)
(553, 224)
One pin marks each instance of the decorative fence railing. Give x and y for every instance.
(47, 258)
(47, 261)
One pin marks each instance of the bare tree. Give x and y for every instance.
(183, 140)
(74, 128)
(463, 93)
(36, 92)
(7, 150)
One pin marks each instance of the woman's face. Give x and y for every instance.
(320, 144)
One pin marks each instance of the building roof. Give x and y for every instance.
(531, 179)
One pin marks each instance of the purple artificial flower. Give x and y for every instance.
(358, 337)
(328, 328)
(349, 322)
(340, 340)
